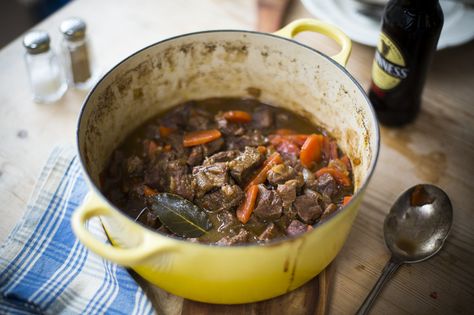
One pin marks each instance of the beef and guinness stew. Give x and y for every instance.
(228, 171)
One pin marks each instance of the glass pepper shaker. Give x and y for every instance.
(76, 54)
(44, 69)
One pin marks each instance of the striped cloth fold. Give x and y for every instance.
(44, 269)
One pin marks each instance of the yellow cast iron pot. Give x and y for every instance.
(270, 67)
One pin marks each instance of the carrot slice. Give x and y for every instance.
(246, 208)
(338, 165)
(273, 159)
(345, 159)
(325, 148)
(346, 200)
(200, 137)
(333, 150)
(237, 116)
(285, 132)
(311, 150)
(339, 176)
(262, 149)
(298, 139)
(261, 176)
(151, 147)
(148, 191)
(165, 131)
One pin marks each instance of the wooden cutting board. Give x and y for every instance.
(310, 299)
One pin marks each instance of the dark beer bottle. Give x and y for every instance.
(410, 33)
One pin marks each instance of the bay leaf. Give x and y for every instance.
(180, 215)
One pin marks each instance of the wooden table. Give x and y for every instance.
(438, 148)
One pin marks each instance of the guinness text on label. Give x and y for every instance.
(407, 42)
(389, 67)
(392, 69)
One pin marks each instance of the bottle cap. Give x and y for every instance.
(36, 42)
(73, 29)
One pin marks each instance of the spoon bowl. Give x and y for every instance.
(418, 223)
(414, 230)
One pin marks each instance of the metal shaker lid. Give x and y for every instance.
(73, 29)
(36, 42)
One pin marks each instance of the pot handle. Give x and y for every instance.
(301, 25)
(92, 207)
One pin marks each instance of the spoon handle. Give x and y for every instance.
(387, 272)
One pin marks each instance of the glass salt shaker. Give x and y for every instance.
(44, 68)
(77, 59)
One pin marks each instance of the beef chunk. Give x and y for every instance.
(223, 156)
(177, 118)
(232, 195)
(226, 220)
(196, 156)
(134, 166)
(151, 220)
(212, 147)
(326, 185)
(325, 201)
(225, 198)
(307, 206)
(282, 119)
(262, 118)
(243, 165)
(152, 132)
(170, 176)
(208, 177)
(296, 227)
(180, 182)
(210, 201)
(151, 149)
(133, 187)
(199, 119)
(156, 174)
(287, 192)
(144, 216)
(269, 204)
(331, 208)
(228, 128)
(175, 140)
(182, 185)
(242, 237)
(270, 232)
(280, 173)
(199, 152)
(299, 180)
(187, 117)
(137, 189)
(292, 158)
(251, 138)
(153, 176)
(310, 181)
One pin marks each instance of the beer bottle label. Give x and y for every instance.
(389, 66)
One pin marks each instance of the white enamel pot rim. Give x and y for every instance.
(290, 41)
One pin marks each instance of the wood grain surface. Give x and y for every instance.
(438, 148)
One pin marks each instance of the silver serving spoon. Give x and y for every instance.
(414, 230)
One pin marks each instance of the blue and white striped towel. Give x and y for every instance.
(43, 267)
